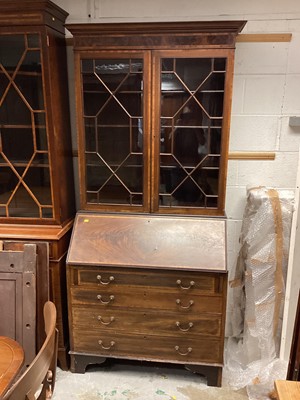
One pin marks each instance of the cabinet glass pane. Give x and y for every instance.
(113, 125)
(192, 96)
(25, 178)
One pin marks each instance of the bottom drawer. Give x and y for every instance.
(147, 347)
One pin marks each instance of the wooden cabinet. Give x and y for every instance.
(153, 106)
(36, 173)
(146, 273)
(148, 288)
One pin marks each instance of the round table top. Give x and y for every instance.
(11, 361)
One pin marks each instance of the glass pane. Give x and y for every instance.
(41, 139)
(96, 177)
(12, 48)
(31, 85)
(40, 119)
(7, 183)
(23, 137)
(132, 102)
(192, 92)
(113, 144)
(219, 64)
(114, 192)
(31, 62)
(23, 205)
(4, 81)
(113, 107)
(95, 95)
(90, 133)
(47, 212)
(33, 41)
(14, 111)
(131, 174)
(38, 180)
(87, 66)
(193, 71)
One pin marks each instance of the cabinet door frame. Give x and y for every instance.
(106, 54)
(155, 134)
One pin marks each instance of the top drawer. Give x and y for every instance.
(102, 277)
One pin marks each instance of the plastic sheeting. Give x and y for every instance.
(256, 294)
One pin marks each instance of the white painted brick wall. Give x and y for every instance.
(266, 85)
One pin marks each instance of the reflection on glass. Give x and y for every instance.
(113, 119)
(25, 182)
(192, 96)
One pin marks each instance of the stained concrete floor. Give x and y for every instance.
(124, 380)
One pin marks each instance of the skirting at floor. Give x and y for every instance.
(138, 381)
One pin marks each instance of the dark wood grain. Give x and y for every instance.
(143, 241)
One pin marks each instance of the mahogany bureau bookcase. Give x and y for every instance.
(36, 169)
(153, 112)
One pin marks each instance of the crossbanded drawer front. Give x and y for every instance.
(149, 299)
(147, 347)
(180, 280)
(155, 323)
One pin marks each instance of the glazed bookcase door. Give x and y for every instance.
(25, 175)
(114, 150)
(192, 93)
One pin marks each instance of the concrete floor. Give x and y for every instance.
(125, 380)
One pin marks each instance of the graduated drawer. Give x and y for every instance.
(147, 347)
(180, 280)
(155, 323)
(146, 299)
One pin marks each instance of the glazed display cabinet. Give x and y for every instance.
(153, 104)
(36, 173)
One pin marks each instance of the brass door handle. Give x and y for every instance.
(112, 343)
(189, 350)
(111, 298)
(105, 323)
(191, 302)
(179, 283)
(110, 279)
(190, 325)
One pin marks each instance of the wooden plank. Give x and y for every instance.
(253, 155)
(264, 37)
(288, 390)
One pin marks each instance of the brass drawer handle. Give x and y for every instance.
(112, 343)
(190, 325)
(111, 298)
(191, 302)
(110, 280)
(189, 350)
(192, 283)
(105, 323)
